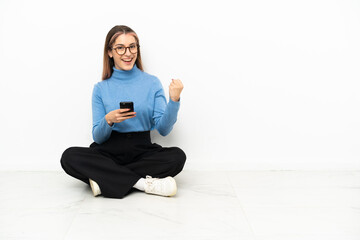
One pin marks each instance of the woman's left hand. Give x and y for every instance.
(175, 89)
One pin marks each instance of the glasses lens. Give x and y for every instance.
(133, 49)
(120, 50)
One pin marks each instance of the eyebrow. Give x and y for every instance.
(123, 44)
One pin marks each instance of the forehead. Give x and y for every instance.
(125, 39)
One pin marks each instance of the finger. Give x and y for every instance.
(128, 114)
(180, 84)
(177, 82)
(173, 80)
(124, 109)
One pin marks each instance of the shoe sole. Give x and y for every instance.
(94, 188)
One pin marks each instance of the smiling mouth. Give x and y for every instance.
(126, 60)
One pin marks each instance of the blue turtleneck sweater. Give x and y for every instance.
(147, 93)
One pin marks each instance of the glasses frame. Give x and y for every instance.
(126, 48)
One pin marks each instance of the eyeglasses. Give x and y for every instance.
(121, 50)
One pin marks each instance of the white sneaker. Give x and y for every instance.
(160, 186)
(94, 187)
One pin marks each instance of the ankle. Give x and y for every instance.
(140, 184)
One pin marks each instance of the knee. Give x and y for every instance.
(180, 157)
(67, 156)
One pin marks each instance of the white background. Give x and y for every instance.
(269, 85)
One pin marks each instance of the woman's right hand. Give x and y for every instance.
(119, 115)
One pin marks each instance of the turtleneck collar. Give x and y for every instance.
(125, 75)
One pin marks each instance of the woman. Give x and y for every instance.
(122, 157)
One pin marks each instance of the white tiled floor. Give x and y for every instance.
(262, 205)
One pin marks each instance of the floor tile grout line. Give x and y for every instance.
(242, 208)
(75, 215)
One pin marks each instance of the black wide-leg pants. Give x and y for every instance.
(117, 164)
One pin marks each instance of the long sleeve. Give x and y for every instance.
(165, 115)
(101, 130)
(147, 94)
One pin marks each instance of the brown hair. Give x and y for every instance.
(110, 39)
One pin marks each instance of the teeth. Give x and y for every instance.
(127, 60)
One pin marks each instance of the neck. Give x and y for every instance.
(125, 75)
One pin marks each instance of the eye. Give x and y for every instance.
(132, 46)
(120, 48)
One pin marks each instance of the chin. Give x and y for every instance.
(128, 68)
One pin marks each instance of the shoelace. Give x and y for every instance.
(150, 182)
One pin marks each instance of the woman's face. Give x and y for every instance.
(127, 60)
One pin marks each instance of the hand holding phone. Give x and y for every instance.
(125, 112)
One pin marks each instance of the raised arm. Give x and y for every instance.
(165, 114)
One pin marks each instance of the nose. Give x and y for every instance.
(127, 52)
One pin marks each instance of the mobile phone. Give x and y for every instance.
(129, 105)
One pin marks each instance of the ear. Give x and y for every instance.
(110, 54)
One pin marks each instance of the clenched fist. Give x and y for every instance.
(175, 89)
